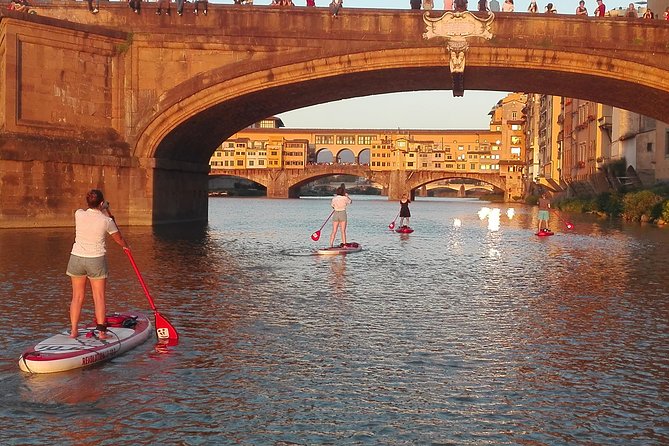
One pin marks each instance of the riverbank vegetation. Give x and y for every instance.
(646, 205)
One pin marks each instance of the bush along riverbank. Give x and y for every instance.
(646, 205)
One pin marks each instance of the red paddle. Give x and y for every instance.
(391, 226)
(164, 330)
(316, 235)
(568, 224)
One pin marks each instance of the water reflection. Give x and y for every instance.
(455, 334)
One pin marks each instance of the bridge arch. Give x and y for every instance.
(423, 178)
(239, 94)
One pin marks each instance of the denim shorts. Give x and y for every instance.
(91, 267)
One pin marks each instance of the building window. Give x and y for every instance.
(666, 145)
(324, 139)
(515, 126)
(346, 139)
(365, 139)
(649, 147)
(267, 124)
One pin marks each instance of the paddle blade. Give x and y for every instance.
(165, 330)
(569, 225)
(315, 236)
(391, 226)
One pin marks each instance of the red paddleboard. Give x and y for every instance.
(404, 230)
(61, 352)
(544, 233)
(342, 249)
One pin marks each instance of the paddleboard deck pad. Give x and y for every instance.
(341, 249)
(404, 230)
(61, 352)
(544, 233)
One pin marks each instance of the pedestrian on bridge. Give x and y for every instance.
(339, 218)
(600, 11)
(581, 9)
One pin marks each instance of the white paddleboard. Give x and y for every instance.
(61, 352)
(351, 247)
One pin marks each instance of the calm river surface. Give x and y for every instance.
(448, 336)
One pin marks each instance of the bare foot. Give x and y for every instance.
(74, 334)
(102, 335)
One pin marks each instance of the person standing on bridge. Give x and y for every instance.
(533, 8)
(581, 9)
(91, 8)
(339, 218)
(161, 4)
(600, 11)
(405, 213)
(335, 7)
(87, 259)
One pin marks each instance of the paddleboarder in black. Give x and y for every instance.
(405, 213)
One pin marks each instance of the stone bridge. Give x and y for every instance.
(136, 104)
(286, 183)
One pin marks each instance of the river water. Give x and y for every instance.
(469, 335)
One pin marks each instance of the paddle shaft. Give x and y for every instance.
(326, 220)
(392, 223)
(164, 329)
(141, 279)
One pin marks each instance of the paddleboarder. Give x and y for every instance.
(339, 203)
(404, 211)
(88, 261)
(544, 206)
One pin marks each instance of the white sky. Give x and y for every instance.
(416, 110)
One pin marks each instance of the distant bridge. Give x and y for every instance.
(286, 183)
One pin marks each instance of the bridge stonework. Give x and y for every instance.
(286, 183)
(136, 104)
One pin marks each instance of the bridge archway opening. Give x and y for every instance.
(324, 155)
(346, 156)
(364, 157)
(231, 185)
(216, 104)
(462, 187)
(325, 185)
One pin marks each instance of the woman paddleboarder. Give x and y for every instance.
(88, 261)
(339, 203)
(405, 213)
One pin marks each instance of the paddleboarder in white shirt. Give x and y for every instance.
(88, 261)
(339, 203)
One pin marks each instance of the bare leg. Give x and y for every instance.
(98, 287)
(343, 232)
(78, 293)
(335, 225)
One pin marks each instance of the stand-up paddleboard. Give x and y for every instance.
(341, 249)
(61, 352)
(404, 230)
(545, 233)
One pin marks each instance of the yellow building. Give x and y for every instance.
(295, 153)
